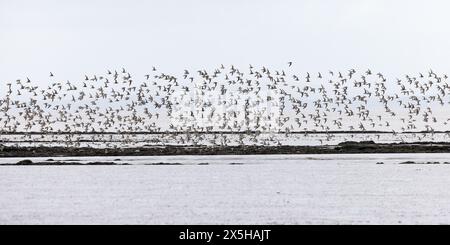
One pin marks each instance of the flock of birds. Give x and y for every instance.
(249, 102)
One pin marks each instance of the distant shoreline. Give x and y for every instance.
(349, 147)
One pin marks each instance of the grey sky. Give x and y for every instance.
(71, 38)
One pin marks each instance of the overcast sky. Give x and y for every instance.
(71, 38)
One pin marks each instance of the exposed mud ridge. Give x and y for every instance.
(50, 162)
(345, 147)
(413, 162)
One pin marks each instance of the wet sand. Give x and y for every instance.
(345, 147)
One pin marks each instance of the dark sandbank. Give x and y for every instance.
(345, 147)
(51, 162)
(413, 162)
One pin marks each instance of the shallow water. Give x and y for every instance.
(270, 189)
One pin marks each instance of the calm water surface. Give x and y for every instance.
(271, 189)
